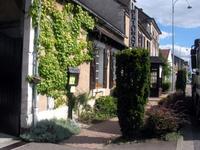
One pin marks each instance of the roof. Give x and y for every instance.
(108, 11)
(124, 2)
(144, 19)
(165, 53)
(144, 31)
(156, 60)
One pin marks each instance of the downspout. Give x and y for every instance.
(136, 27)
(35, 68)
(130, 23)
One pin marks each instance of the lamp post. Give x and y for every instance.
(173, 10)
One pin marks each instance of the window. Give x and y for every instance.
(154, 79)
(99, 68)
(139, 40)
(99, 60)
(148, 45)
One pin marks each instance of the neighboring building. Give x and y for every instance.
(180, 63)
(145, 34)
(18, 106)
(166, 54)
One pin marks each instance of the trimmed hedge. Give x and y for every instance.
(132, 89)
(181, 80)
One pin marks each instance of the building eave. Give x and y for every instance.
(104, 22)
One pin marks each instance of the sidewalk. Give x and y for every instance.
(8, 141)
(99, 136)
(96, 136)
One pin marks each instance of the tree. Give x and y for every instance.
(181, 80)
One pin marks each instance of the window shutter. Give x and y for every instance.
(92, 74)
(111, 70)
(105, 66)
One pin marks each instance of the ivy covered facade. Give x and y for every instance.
(40, 39)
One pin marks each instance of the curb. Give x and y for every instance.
(179, 143)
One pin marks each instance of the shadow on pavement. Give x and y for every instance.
(110, 126)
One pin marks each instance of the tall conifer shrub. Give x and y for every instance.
(132, 89)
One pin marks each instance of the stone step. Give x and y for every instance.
(7, 140)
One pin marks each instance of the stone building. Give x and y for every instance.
(20, 106)
(145, 34)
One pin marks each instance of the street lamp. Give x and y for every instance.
(173, 8)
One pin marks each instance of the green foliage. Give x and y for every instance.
(172, 136)
(165, 86)
(161, 120)
(60, 44)
(87, 115)
(105, 107)
(179, 104)
(81, 101)
(181, 80)
(166, 67)
(132, 89)
(51, 131)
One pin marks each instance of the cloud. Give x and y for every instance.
(161, 10)
(165, 35)
(180, 51)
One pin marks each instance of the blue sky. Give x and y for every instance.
(187, 22)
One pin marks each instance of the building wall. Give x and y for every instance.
(27, 67)
(41, 107)
(154, 41)
(127, 30)
(84, 78)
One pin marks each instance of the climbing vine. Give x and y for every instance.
(62, 42)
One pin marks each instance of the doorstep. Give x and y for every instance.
(7, 141)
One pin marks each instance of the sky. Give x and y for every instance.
(187, 23)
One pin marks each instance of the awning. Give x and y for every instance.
(156, 60)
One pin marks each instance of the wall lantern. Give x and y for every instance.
(73, 78)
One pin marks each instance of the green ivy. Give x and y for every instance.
(60, 45)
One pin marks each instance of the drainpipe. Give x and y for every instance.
(35, 68)
(136, 27)
(130, 23)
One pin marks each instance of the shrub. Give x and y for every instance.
(81, 100)
(180, 105)
(181, 80)
(172, 136)
(132, 89)
(87, 115)
(171, 99)
(51, 131)
(161, 120)
(105, 107)
(165, 86)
